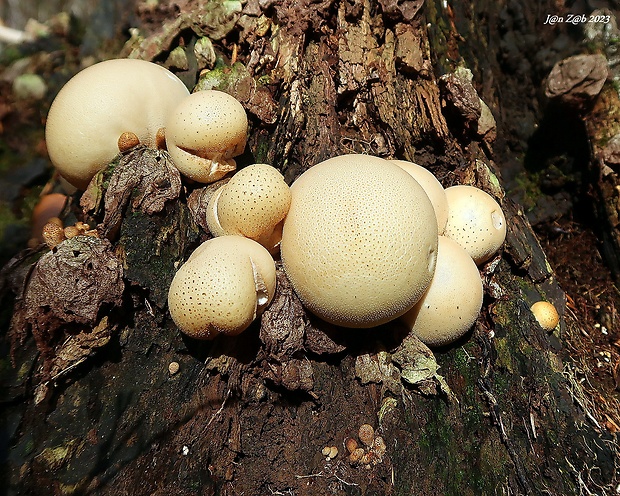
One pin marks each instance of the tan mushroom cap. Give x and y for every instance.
(252, 204)
(204, 133)
(359, 241)
(100, 103)
(475, 221)
(224, 285)
(546, 315)
(453, 300)
(432, 187)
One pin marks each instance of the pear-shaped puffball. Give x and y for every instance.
(204, 133)
(475, 221)
(224, 285)
(546, 315)
(453, 300)
(432, 187)
(98, 105)
(360, 240)
(252, 204)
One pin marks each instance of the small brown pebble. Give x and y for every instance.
(127, 141)
(350, 444)
(366, 434)
(173, 367)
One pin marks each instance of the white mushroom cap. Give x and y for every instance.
(359, 241)
(252, 204)
(546, 315)
(224, 285)
(453, 300)
(475, 221)
(98, 104)
(433, 189)
(204, 133)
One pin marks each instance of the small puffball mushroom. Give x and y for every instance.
(204, 133)
(546, 315)
(453, 300)
(432, 187)
(359, 241)
(224, 285)
(128, 140)
(53, 234)
(49, 206)
(98, 105)
(475, 221)
(366, 434)
(252, 204)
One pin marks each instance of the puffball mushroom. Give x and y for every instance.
(98, 105)
(359, 241)
(204, 133)
(224, 285)
(433, 189)
(252, 204)
(453, 300)
(475, 221)
(546, 315)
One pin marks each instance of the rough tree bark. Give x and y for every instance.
(94, 408)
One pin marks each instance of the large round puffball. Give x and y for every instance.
(98, 105)
(252, 204)
(359, 242)
(224, 285)
(475, 221)
(433, 189)
(204, 133)
(453, 300)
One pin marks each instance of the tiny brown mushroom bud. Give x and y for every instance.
(127, 141)
(52, 234)
(325, 451)
(367, 458)
(333, 452)
(356, 456)
(546, 315)
(366, 434)
(378, 445)
(160, 139)
(55, 220)
(173, 368)
(71, 232)
(81, 226)
(350, 444)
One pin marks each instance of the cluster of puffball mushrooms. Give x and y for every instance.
(363, 240)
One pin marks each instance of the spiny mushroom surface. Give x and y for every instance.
(433, 189)
(204, 133)
(252, 204)
(360, 240)
(453, 300)
(475, 221)
(224, 285)
(98, 105)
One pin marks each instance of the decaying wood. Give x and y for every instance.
(251, 414)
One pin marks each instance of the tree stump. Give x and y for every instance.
(118, 402)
